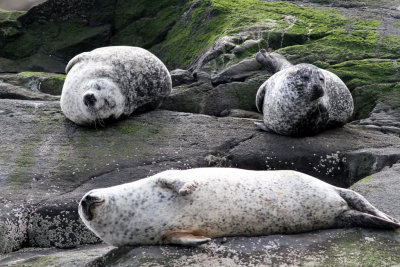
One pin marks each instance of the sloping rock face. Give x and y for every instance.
(48, 163)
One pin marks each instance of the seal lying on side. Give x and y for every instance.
(302, 99)
(110, 82)
(189, 207)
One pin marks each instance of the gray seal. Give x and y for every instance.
(111, 82)
(301, 100)
(189, 207)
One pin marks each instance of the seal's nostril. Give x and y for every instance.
(89, 100)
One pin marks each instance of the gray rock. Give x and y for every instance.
(382, 189)
(40, 257)
(202, 97)
(9, 91)
(47, 163)
(237, 72)
(48, 83)
(180, 77)
(385, 117)
(337, 247)
(353, 247)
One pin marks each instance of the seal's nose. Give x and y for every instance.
(88, 204)
(89, 100)
(317, 92)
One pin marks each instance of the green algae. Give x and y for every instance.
(24, 163)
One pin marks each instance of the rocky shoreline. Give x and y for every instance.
(47, 163)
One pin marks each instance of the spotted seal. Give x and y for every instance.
(189, 207)
(301, 100)
(111, 82)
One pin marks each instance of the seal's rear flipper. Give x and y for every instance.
(359, 203)
(186, 239)
(355, 218)
(262, 126)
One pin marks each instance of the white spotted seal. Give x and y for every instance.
(189, 207)
(301, 100)
(111, 82)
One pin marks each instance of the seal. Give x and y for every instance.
(188, 207)
(111, 82)
(301, 100)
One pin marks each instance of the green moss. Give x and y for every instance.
(129, 129)
(210, 20)
(148, 31)
(366, 97)
(351, 251)
(56, 38)
(6, 15)
(370, 80)
(243, 94)
(390, 47)
(366, 179)
(357, 73)
(29, 74)
(24, 162)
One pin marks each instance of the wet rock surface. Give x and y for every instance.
(336, 247)
(48, 163)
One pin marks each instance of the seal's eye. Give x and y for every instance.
(305, 78)
(98, 88)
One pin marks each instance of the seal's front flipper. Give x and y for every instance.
(183, 187)
(260, 98)
(186, 239)
(355, 218)
(262, 126)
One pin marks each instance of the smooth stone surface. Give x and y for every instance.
(336, 247)
(47, 163)
(382, 189)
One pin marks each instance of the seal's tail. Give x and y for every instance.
(362, 213)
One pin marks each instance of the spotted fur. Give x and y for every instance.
(123, 79)
(191, 206)
(304, 100)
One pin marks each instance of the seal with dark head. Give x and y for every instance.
(111, 82)
(301, 100)
(189, 207)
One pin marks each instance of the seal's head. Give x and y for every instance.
(93, 208)
(308, 81)
(91, 101)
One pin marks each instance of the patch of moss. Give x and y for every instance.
(41, 74)
(129, 129)
(390, 47)
(366, 97)
(7, 15)
(209, 20)
(357, 73)
(148, 31)
(56, 39)
(24, 162)
(243, 95)
(366, 179)
(350, 251)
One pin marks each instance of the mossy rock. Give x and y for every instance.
(48, 83)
